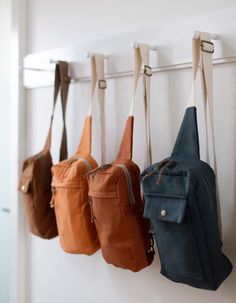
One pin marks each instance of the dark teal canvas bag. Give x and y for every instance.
(181, 197)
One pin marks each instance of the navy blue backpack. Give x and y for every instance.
(181, 197)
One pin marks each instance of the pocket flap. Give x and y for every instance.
(24, 185)
(165, 208)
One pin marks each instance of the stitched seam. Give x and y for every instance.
(128, 235)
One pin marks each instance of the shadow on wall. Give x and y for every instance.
(156, 288)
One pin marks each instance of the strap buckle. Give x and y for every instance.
(205, 43)
(102, 84)
(147, 70)
(66, 79)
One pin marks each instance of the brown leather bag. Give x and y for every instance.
(35, 183)
(69, 183)
(117, 207)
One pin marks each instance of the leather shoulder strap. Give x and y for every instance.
(84, 147)
(61, 83)
(126, 146)
(97, 81)
(141, 56)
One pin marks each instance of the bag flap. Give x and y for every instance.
(165, 208)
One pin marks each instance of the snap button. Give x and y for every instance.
(163, 213)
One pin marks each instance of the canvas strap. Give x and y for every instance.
(61, 83)
(141, 56)
(203, 49)
(98, 81)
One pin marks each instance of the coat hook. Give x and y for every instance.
(213, 36)
(91, 54)
(52, 61)
(151, 47)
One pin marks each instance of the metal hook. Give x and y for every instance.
(213, 36)
(52, 61)
(91, 54)
(151, 47)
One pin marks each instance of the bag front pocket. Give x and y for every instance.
(77, 234)
(174, 236)
(112, 230)
(102, 207)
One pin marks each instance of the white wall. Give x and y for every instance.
(55, 276)
(69, 22)
(5, 22)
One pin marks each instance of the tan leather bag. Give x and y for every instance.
(69, 183)
(35, 182)
(116, 204)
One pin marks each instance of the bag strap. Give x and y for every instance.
(203, 49)
(84, 147)
(141, 56)
(62, 81)
(97, 80)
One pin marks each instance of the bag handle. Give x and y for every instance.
(61, 83)
(141, 56)
(97, 80)
(203, 49)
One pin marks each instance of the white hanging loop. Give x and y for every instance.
(98, 82)
(141, 56)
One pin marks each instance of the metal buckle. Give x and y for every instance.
(206, 50)
(102, 84)
(147, 70)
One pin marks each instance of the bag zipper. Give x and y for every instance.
(93, 173)
(129, 183)
(206, 181)
(97, 170)
(161, 168)
(53, 196)
(53, 188)
(91, 209)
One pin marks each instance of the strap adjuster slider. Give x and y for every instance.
(147, 70)
(207, 47)
(102, 84)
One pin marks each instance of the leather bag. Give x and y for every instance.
(115, 200)
(181, 195)
(69, 183)
(35, 182)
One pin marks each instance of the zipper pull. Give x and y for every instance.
(91, 209)
(97, 170)
(147, 175)
(53, 196)
(151, 251)
(105, 166)
(92, 172)
(162, 166)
